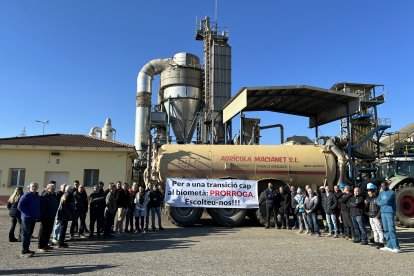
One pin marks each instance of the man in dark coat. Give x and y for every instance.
(96, 210)
(48, 208)
(356, 209)
(269, 200)
(338, 194)
(329, 203)
(285, 206)
(346, 217)
(81, 209)
(129, 218)
(122, 202)
(156, 198)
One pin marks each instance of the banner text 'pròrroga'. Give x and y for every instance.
(211, 193)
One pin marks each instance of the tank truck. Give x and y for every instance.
(281, 164)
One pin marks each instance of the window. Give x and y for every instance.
(90, 177)
(17, 177)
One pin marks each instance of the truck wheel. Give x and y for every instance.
(405, 204)
(261, 216)
(229, 217)
(251, 214)
(184, 216)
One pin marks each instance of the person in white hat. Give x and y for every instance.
(374, 214)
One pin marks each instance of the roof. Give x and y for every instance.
(320, 105)
(302, 140)
(63, 140)
(342, 85)
(403, 133)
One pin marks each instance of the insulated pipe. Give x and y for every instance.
(282, 133)
(94, 130)
(143, 102)
(341, 158)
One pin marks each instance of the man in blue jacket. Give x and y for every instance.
(386, 200)
(29, 206)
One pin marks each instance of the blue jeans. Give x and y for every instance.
(313, 223)
(56, 230)
(331, 219)
(390, 234)
(153, 211)
(360, 233)
(27, 231)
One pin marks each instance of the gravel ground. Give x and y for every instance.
(209, 250)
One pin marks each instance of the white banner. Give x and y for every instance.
(211, 193)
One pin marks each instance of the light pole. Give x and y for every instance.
(44, 124)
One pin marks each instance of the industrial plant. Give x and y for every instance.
(188, 133)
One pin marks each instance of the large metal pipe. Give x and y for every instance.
(94, 130)
(282, 133)
(340, 155)
(143, 102)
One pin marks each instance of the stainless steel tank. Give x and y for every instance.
(181, 86)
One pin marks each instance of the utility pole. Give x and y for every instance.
(44, 124)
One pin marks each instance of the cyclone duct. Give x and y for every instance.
(180, 93)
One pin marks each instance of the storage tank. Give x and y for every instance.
(181, 86)
(298, 164)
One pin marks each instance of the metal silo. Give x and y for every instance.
(181, 90)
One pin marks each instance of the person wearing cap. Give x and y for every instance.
(386, 200)
(329, 203)
(299, 209)
(374, 214)
(346, 217)
(356, 209)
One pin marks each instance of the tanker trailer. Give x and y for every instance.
(300, 165)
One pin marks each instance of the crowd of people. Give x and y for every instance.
(343, 211)
(120, 209)
(112, 212)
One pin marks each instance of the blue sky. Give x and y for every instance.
(75, 62)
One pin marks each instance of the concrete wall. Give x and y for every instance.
(113, 164)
